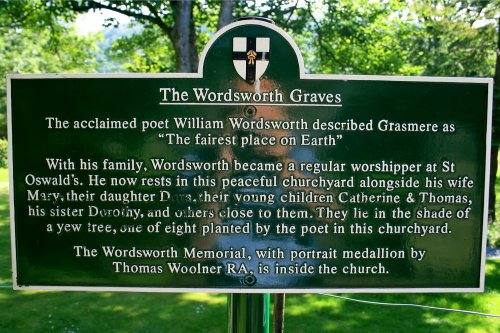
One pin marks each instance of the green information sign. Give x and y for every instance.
(249, 176)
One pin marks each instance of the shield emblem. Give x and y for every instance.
(250, 57)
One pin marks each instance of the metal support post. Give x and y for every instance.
(248, 313)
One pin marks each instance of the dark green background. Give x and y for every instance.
(452, 261)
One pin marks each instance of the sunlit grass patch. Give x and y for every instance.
(205, 298)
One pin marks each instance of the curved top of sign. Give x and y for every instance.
(266, 36)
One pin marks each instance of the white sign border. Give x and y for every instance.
(302, 75)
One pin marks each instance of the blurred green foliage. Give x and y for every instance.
(38, 38)
(4, 153)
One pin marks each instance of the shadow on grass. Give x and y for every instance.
(29, 311)
(25, 311)
(316, 313)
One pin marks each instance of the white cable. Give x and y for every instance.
(391, 304)
(413, 305)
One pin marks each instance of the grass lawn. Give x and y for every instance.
(80, 312)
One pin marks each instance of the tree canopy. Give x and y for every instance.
(36, 38)
(424, 37)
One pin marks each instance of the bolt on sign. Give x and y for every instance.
(249, 176)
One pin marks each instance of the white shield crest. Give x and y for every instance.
(250, 57)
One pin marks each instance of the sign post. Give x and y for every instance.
(248, 313)
(249, 176)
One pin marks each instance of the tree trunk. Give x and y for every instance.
(184, 37)
(493, 178)
(496, 132)
(225, 14)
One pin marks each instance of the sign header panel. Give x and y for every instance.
(249, 176)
